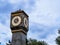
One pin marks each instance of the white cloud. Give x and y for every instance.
(21, 4)
(14, 1)
(50, 39)
(45, 12)
(2, 3)
(5, 33)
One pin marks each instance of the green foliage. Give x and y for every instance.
(35, 42)
(58, 40)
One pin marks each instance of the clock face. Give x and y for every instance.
(25, 22)
(16, 21)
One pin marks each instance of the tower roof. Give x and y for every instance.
(19, 11)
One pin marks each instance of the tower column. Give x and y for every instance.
(19, 38)
(19, 27)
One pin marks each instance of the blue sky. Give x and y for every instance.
(44, 19)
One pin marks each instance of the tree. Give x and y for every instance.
(59, 31)
(35, 42)
(58, 38)
(9, 43)
(42, 43)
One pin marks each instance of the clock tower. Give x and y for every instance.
(19, 26)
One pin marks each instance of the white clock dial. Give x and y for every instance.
(16, 21)
(25, 22)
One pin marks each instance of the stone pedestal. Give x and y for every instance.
(19, 38)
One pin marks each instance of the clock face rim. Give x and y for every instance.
(25, 22)
(19, 21)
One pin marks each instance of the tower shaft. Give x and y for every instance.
(19, 27)
(19, 38)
